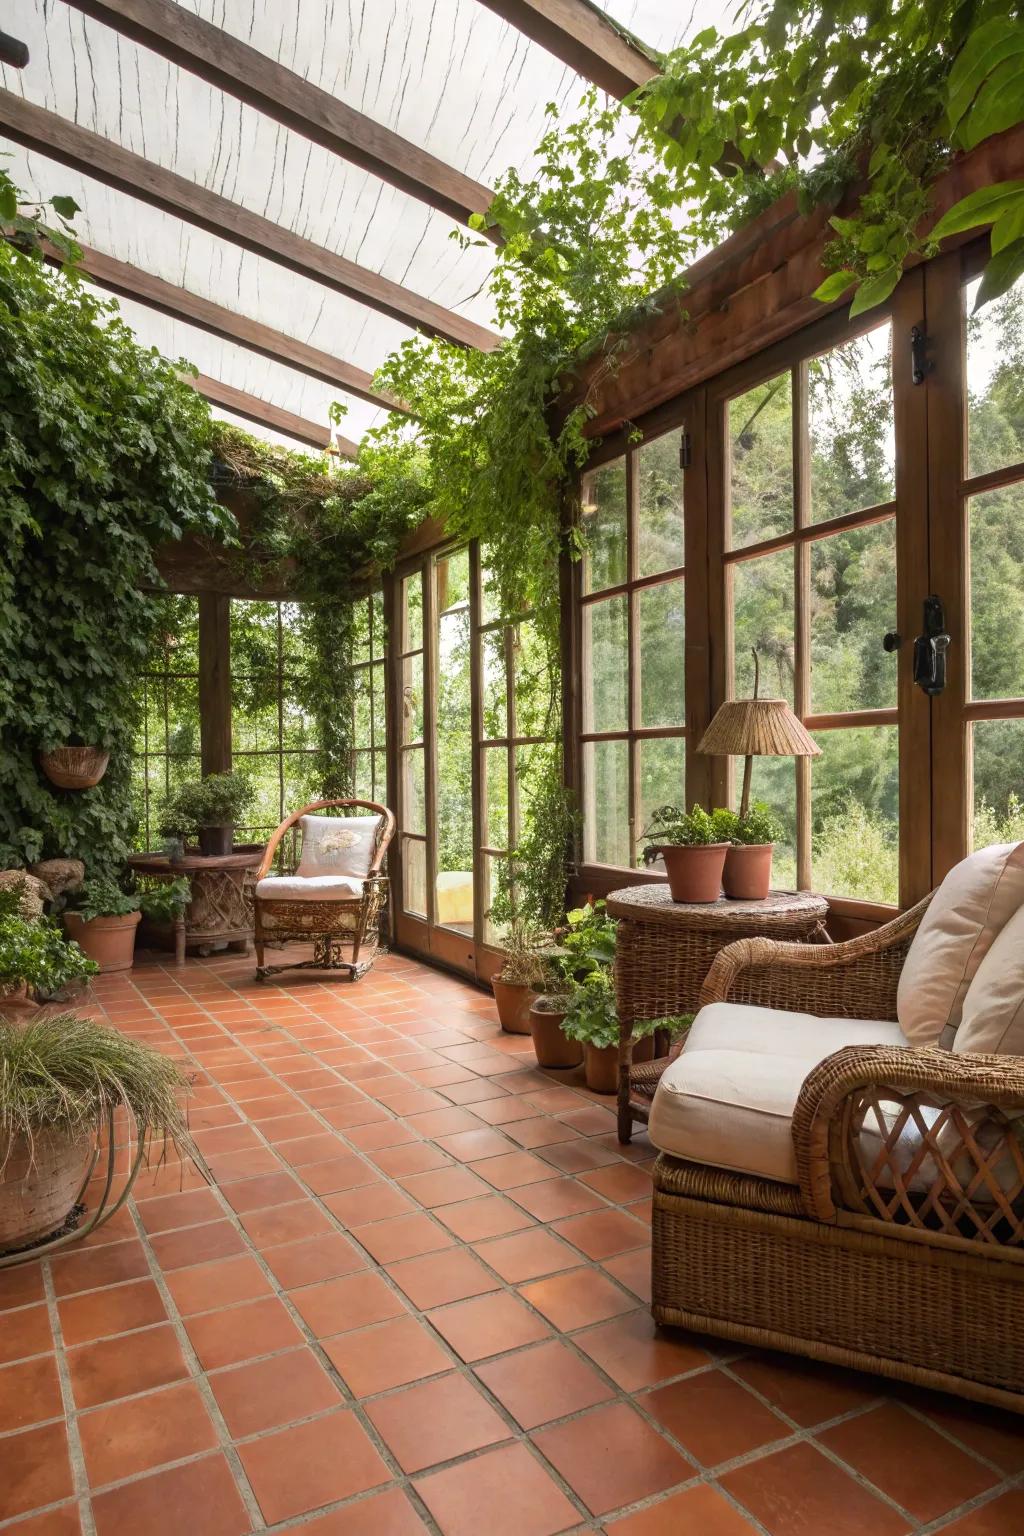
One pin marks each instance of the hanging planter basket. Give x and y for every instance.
(75, 767)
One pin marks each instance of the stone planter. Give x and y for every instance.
(110, 941)
(39, 1184)
(551, 1046)
(748, 871)
(514, 1001)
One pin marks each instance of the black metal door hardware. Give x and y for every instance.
(930, 649)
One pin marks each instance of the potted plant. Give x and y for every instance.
(592, 1020)
(63, 1078)
(163, 905)
(586, 948)
(521, 977)
(103, 921)
(693, 845)
(552, 1047)
(36, 960)
(747, 875)
(208, 807)
(174, 828)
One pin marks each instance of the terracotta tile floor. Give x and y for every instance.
(406, 1295)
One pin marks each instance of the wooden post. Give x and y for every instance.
(215, 682)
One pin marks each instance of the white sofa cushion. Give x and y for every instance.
(971, 906)
(728, 1098)
(308, 887)
(337, 845)
(993, 1013)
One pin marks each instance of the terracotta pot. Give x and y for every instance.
(39, 1184)
(110, 941)
(551, 1046)
(643, 1050)
(695, 874)
(514, 1000)
(215, 842)
(748, 872)
(602, 1064)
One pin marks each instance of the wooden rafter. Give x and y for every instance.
(252, 408)
(103, 160)
(181, 304)
(224, 61)
(584, 38)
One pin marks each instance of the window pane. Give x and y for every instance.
(606, 802)
(852, 426)
(494, 833)
(361, 631)
(604, 527)
(535, 766)
(412, 698)
(996, 524)
(662, 775)
(605, 665)
(491, 869)
(855, 813)
(379, 707)
(414, 869)
(532, 683)
(995, 367)
(998, 747)
(662, 649)
(377, 617)
(762, 596)
(495, 693)
(761, 458)
(454, 789)
(412, 612)
(362, 776)
(853, 603)
(659, 534)
(414, 795)
(773, 781)
(380, 778)
(361, 707)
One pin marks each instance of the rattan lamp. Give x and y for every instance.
(750, 728)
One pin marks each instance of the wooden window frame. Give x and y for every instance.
(374, 666)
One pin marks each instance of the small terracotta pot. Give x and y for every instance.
(514, 1001)
(695, 874)
(39, 1184)
(110, 941)
(748, 872)
(602, 1065)
(552, 1048)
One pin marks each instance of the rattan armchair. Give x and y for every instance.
(331, 922)
(901, 1249)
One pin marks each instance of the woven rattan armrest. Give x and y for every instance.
(919, 1138)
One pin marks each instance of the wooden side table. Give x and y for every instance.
(220, 912)
(664, 951)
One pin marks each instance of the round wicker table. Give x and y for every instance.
(220, 911)
(664, 951)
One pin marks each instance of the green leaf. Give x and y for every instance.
(985, 49)
(8, 202)
(1000, 104)
(834, 286)
(65, 206)
(1001, 273)
(848, 227)
(874, 290)
(1009, 227)
(982, 207)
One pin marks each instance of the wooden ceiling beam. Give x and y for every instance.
(261, 82)
(583, 37)
(181, 304)
(253, 408)
(90, 153)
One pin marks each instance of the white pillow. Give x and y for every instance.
(993, 1016)
(971, 906)
(337, 845)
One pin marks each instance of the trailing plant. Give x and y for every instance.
(102, 897)
(34, 952)
(25, 221)
(591, 1015)
(165, 901)
(531, 883)
(697, 828)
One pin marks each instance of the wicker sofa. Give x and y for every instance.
(887, 1232)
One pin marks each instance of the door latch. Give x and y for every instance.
(920, 366)
(930, 649)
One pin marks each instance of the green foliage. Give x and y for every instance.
(26, 224)
(101, 897)
(165, 901)
(218, 800)
(697, 828)
(587, 945)
(532, 882)
(104, 454)
(35, 952)
(760, 825)
(591, 1015)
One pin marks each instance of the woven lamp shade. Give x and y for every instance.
(757, 728)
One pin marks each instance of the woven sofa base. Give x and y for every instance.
(912, 1311)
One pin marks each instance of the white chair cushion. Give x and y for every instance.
(309, 887)
(337, 845)
(728, 1098)
(971, 906)
(993, 1013)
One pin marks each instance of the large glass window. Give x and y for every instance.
(369, 760)
(167, 746)
(273, 736)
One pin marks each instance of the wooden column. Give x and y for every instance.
(215, 682)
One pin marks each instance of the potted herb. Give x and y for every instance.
(36, 960)
(748, 862)
(103, 922)
(208, 808)
(64, 1077)
(521, 977)
(592, 1020)
(693, 845)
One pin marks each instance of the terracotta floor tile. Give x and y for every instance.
(336, 1173)
(200, 1498)
(799, 1490)
(543, 1383)
(486, 1216)
(807, 1392)
(87, 1269)
(488, 1325)
(527, 1255)
(321, 1258)
(714, 1418)
(217, 1285)
(621, 1182)
(908, 1460)
(309, 1465)
(540, 1131)
(512, 1170)
(473, 1092)
(472, 1146)
(636, 1353)
(405, 1237)
(112, 1368)
(444, 1122)
(351, 1301)
(181, 1210)
(373, 1202)
(268, 1393)
(227, 1167)
(20, 1286)
(997, 1436)
(29, 1393)
(306, 1150)
(555, 1198)
(520, 1498)
(391, 1354)
(242, 1332)
(382, 1514)
(36, 1470)
(604, 1233)
(632, 1270)
(381, 1133)
(146, 1432)
(267, 1228)
(1000, 1517)
(702, 1510)
(436, 1421)
(579, 1297)
(415, 1157)
(611, 1457)
(30, 1335)
(577, 1156)
(65, 1521)
(435, 1278)
(444, 1186)
(197, 1245)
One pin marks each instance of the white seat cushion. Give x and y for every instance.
(309, 887)
(728, 1098)
(993, 1013)
(337, 845)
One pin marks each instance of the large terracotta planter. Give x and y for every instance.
(552, 1047)
(602, 1063)
(695, 874)
(514, 1001)
(39, 1185)
(748, 872)
(110, 941)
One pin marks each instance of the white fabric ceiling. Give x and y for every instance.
(448, 75)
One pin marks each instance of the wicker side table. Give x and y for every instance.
(664, 951)
(220, 911)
